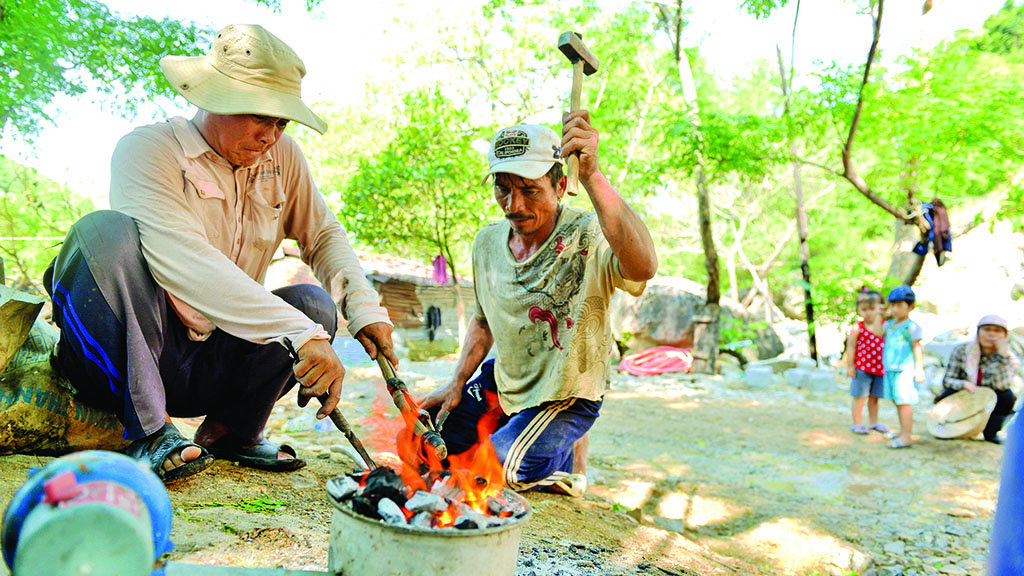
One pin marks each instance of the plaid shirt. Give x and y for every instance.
(996, 370)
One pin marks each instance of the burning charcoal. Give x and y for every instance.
(342, 488)
(422, 520)
(390, 511)
(471, 520)
(496, 507)
(448, 490)
(384, 482)
(434, 475)
(425, 501)
(496, 521)
(364, 507)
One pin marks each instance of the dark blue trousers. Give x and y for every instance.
(535, 446)
(126, 351)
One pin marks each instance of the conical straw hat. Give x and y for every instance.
(961, 415)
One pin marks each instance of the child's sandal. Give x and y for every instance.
(859, 429)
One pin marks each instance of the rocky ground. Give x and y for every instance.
(689, 475)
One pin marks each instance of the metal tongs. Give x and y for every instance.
(339, 421)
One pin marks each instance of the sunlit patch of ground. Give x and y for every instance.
(792, 547)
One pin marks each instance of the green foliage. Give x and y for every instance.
(735, 334)
(420, 194)
(35, 214)
(762, 8)
(1004, 31)
(66, 47)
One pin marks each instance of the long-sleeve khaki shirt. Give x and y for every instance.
(209, 231)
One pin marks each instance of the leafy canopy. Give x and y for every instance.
(420, 195)
(50, 48)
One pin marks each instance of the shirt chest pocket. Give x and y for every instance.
(264, 216)
(208, 201)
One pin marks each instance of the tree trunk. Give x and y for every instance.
(705, 353)
(805, 257)
(905, 265)
(801, 212)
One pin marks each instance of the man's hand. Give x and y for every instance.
(376, 338)
(578, 136)
(970, 386)
(320, 372)
(1003, 345)
(447, 396)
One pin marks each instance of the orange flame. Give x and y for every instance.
(476, 473)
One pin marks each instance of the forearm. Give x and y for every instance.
(918, 356)
(626, 233)
(851, 346)
(475, 347)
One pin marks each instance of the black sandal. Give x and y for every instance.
(263, 456)
(158, 446)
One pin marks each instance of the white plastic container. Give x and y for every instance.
(363, 546)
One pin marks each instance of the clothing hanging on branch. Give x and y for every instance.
(441, 270)
(940, 237)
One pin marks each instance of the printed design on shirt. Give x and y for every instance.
(265, 173)
(549, 288)
(591, 319)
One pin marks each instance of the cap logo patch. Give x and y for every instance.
(511, 143)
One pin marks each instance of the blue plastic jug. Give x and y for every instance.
(95, 512)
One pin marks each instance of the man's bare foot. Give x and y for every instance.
(186, 454)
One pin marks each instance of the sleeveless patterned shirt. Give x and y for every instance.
(867, 356)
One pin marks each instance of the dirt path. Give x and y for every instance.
(688, 476)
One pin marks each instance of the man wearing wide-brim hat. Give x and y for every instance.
(987, 362)
(160, 301)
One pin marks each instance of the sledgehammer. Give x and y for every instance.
(583, 62)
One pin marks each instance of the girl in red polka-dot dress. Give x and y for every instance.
(864, 361)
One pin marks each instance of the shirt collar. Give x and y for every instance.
(193, 145)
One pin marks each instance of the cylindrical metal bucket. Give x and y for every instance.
(361, 546)
(97, 513)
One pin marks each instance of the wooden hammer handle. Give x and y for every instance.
(573, 161)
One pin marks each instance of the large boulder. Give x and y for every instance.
(663, 316)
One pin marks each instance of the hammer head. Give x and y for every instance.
(571, 44)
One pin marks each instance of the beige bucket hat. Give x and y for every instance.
(962, 415)
(248, 71)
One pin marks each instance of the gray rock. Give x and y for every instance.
(896, 548)
(955, 531)
(664, 315)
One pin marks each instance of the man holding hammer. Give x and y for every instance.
(543, 280)
(160, 302)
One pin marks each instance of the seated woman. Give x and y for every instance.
(987, 361)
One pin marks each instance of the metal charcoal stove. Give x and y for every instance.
(382, 527)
